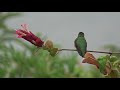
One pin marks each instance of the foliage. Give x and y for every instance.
(114, 61)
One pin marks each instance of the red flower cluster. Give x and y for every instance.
(29, 36)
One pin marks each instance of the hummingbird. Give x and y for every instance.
(81, 44)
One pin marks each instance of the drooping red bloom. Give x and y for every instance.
(29, 36)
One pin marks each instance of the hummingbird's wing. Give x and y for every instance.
(81, 46)
(78, 48)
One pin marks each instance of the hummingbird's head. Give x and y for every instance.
(81, 34)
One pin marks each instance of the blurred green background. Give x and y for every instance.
(17, 59)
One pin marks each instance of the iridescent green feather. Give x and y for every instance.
(81, 44)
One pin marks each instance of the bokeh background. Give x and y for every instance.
(17, 60)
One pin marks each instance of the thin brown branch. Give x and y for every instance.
(91, 51)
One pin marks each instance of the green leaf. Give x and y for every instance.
(102, 61)
(113, 58)
(116, 63)
(53, 51)
(114, 74)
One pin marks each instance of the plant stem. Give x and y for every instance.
(91, 51)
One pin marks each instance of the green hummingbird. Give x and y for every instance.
(81, 44)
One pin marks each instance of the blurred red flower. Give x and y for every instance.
(29, 36)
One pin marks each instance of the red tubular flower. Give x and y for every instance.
(29, 36)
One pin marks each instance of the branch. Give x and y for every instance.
(90, 51)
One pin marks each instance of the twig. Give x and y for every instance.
(91, 51)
